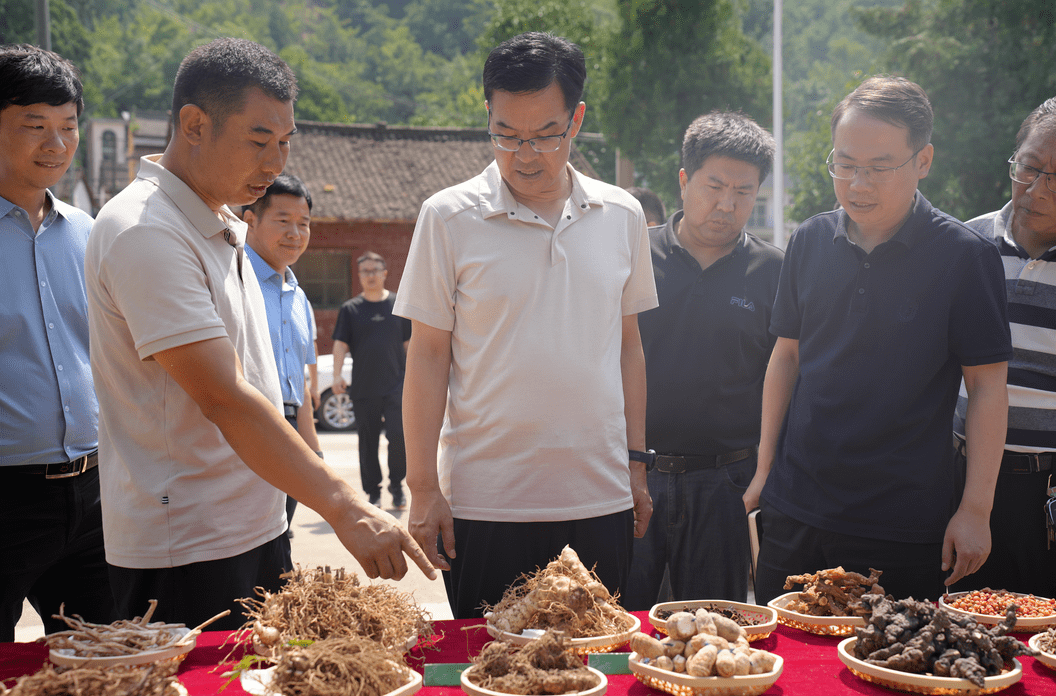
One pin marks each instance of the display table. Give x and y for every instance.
(812, 667)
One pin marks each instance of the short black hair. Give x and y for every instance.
(31, 75)
(284, 184)
(894, 100)
(372, 256)
(216, 76)
(728, 134)
(651, 203)
(531, 62)
(1044, 115)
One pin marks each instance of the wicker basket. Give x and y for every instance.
(758, 632)
(839, 626)
(580, 646)
(924, 683)
(1024, 624)
(678, 684)
(474, 690)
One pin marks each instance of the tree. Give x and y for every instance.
(672, 61)
(985, 65)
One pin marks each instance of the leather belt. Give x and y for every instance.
(1026, 462)
(676, 464)
(1018, 462)
(61, 470)
(290, 410)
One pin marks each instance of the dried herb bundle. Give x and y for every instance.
(543, 666)
(124, 637)
(317, 604)
(145, 680)
(564, 596)
(339, 667)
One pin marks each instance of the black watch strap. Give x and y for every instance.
(648, 457)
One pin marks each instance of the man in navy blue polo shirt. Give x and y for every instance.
(883, 305)
(706, 349)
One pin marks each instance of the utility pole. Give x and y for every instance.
(43, 21)
(779, 134)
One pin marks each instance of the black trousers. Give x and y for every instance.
(1020, 560)
(51, 550)
(195, 592)
(490, 556)
(369, 415)
(790, 547)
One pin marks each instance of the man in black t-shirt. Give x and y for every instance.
(377, 339)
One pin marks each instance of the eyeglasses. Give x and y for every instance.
(542, 145)
(879, 175)
(1025, 174)
(372, 272)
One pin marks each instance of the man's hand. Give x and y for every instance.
(966, 545)
(431, 515)
(378, 542)
(755, 490)
(643, 502)
(315, 398)
(338, 386)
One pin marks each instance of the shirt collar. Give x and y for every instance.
(670, 241)
(908, 235)
(265, 273)
(198, 213)
(497, 199)
(1002, 231)
(57, 208)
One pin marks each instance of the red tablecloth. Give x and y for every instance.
(812, 667)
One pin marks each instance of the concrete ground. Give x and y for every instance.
(314, 542)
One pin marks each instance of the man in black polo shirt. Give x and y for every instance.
(706, 349)
(883, 305)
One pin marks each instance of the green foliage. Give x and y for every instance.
(985, 66)
(448, 28)
(670, 62)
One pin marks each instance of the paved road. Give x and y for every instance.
(314, 542)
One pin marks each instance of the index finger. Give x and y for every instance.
(415, 553)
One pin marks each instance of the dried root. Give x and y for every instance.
(339, 667)
(564, 596)
(833, 592)
(145, 680)
(918, 637)
(543, 666)
(121, 637)
(703, 644)
(318, 604)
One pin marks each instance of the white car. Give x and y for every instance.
(335, 410)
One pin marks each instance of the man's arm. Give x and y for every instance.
(424, 402)
(306, 421)
(632, 369)
(967, 541)
(210, 372)
(340, 351)
(313, 379)
(781, 374)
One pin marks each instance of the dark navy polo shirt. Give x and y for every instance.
(866, 445)
(375, 339)
(707, 345)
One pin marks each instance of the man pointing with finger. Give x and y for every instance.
(194, 451)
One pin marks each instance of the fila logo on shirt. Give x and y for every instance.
(377, 317)
(750, 306)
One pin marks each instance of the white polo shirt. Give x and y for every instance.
(535, 428)
(160, 274)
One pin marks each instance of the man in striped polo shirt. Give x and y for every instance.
(1025, 231)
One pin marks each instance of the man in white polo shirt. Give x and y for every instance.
(193, 447)
(523, 285)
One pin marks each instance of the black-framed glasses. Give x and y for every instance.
(1026, 174)
(875, 174)
(542, 145)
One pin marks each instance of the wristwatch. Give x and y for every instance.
(648, 457)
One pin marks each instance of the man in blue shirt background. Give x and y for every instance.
(279, 230)
(51, 533)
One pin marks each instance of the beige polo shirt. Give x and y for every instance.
(160, 274)
(535, 428)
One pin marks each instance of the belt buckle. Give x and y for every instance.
(670, 464)
(67, 469)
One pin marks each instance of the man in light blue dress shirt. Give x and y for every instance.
(51, 534)
(278, 234)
